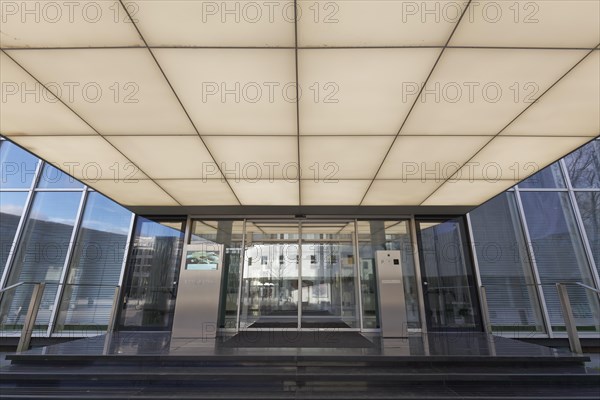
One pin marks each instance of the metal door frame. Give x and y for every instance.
(470, 273)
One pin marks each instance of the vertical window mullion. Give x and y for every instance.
(21, 226)
(67, 263)
(536, 274)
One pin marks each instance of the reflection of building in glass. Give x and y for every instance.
(151, 283)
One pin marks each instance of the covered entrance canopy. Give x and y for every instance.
(396, 103)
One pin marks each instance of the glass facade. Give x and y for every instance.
(55, 230)
(41, 254)
(95, 266)
(11, 208)
(504, 266)
(544, 231)
(589, 208)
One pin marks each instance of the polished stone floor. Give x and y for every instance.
(268, 343)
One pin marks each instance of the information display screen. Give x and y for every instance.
(203, 260)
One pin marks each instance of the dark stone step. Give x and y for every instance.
(416, 391)
(272, 359)
(136, 366)
(297, 368)
(228, 378)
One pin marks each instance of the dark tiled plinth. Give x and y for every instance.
(469, 346)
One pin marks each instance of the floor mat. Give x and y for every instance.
(326, 339)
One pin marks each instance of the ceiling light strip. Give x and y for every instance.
(415, 102)
(179, 101)
(514, 119)
(91, 127)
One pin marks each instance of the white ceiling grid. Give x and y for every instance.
(306, 102)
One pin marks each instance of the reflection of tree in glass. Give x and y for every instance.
(584, 166)
(589, 208)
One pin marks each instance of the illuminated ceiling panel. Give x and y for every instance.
(359, 91)
(137, 193)
(253, 158)
(467, 192)
(266, 192)
(215, 23)
(368, 23)
(82, 23)
(479, 91)
(333, 192)
(525, 23)
(23, 97)
(511, 157)
(119, 92)
(393, 192)
(553, 115)
(84, 157)
(168, 157)
(342, 157)
(235, 91)
(444, 156)
(193, 192)
(188, 88)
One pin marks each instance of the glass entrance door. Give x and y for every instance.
(448, 283)
(329, 282)
(270, 286)
(270, 276)
(299, 275)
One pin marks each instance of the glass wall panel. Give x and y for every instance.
(368, 273)
(40, 255)
(153, 272)
(386, 235)
(17, 166)
(55, 179)
(560, 256)
(450, 297)
(504, 266)
(95, 266)
(229, 234)
(11, 209)
(589, 208)
(583, 166)
(549, 177)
